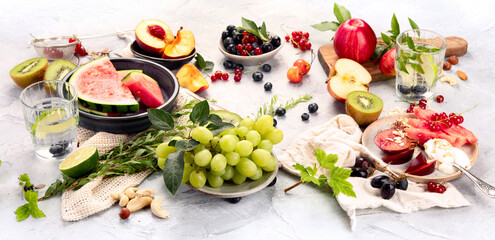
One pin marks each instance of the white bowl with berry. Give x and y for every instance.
(249, 45)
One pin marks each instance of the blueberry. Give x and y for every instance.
(230, 28)
(266, 67)
(257, 76)
(231, 49)
(226, 34)
(359, 172)
(419, 89)
(234, 200)
(280, 111)
(404, 89)
(227, 41)
(313, 107)
(228, 64)
(268, 86)
(31, 188)
(304, 116)
(239, 66)
(275, 41)
(402, 184)
(266, 47)
(274, 122)
(378, 181)
(237, 37)
(58, 149)
(387, 190)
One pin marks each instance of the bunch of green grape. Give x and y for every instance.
(237, 154)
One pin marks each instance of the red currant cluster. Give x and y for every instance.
(438, 188)
(423, 103)
(299, 40)
(53, 53)
(80, 50)
(441, 121)
(249, 45)
(219, 75)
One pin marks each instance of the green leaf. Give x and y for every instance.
(200, 112)
(410, 43)
(173, 171)
(0, 163)
(395, 26)
(160, 119)
(200, 61)
(379, 51)
(385, 38)
(320, 154)
(215, 119)
(22, 212)
(263, 30)
(248, 24)
(338, 181)
(209, 66)
(25, 179)
(186, 145)
(219, 128)
(326, 26)
(328, 162)
(30, 208)
(413, 24)
(341, 13)
(306, 175)
(418, 68)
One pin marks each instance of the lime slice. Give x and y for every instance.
(51, 121)
(80, 162)
(430, 69)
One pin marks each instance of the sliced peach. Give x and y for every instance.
(189, 77)
(153, 35)
(182, 46)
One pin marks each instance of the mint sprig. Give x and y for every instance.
(31, 196)
(337, 178)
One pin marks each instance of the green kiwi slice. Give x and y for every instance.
(58, 69)
(29, 72)
(227, 116)
(364, 107)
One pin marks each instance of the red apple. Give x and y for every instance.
(387, 62)
(153, 35)
(347, 76)
(354, 39)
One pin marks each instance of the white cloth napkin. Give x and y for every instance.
(341, 135)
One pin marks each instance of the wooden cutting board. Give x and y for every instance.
(456, 46)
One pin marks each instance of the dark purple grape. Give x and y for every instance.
(387, 191)
(378, 181)
(274, 122)
(402, 184)
(359, 172)
(362, 162)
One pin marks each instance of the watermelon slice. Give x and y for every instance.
(145, 88)
(423, 114)
(85, 109)
(99, 88)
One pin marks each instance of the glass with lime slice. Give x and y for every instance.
(51, 116)
(420, 56)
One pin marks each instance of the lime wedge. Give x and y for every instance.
(51, 121)
(79, 163)
(430, 69)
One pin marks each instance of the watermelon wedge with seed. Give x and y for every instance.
(145, 88)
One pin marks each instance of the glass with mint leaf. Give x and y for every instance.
(420, 56)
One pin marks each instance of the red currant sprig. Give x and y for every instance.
(299, 40)
(434, 187)
(80, 50)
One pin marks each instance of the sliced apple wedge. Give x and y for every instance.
(347, 76)
(182, 46)
(153, 35)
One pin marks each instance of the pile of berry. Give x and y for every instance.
(53, 53)
(80, 50)
(441, 121)
(238, 71)
(299, 40)
(312, 108)
(243, 43)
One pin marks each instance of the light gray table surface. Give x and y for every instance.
(307, 212)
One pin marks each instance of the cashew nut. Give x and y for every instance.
(124, 199)
(148, 192)
(138, 203)
(449, 79)
(131, 192)
(157, 209)
(115, 195)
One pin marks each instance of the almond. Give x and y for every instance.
(462, 75)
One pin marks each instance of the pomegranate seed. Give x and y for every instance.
(440, 99)
(225, 76)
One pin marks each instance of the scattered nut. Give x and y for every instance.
(124, 213)
(124, 199)
(138, 203)
(462, 75)
(148, 192)
(451, 80)
(131, 192)
(453, 60)
(447, 66)
(156, 208)
(40, 186)
(115, 195)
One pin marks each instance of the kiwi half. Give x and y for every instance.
(58, 69)
(29, 72)
(227, 116)
(363, 106)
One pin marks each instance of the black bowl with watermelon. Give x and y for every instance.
(170, 63)
(114, 94)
